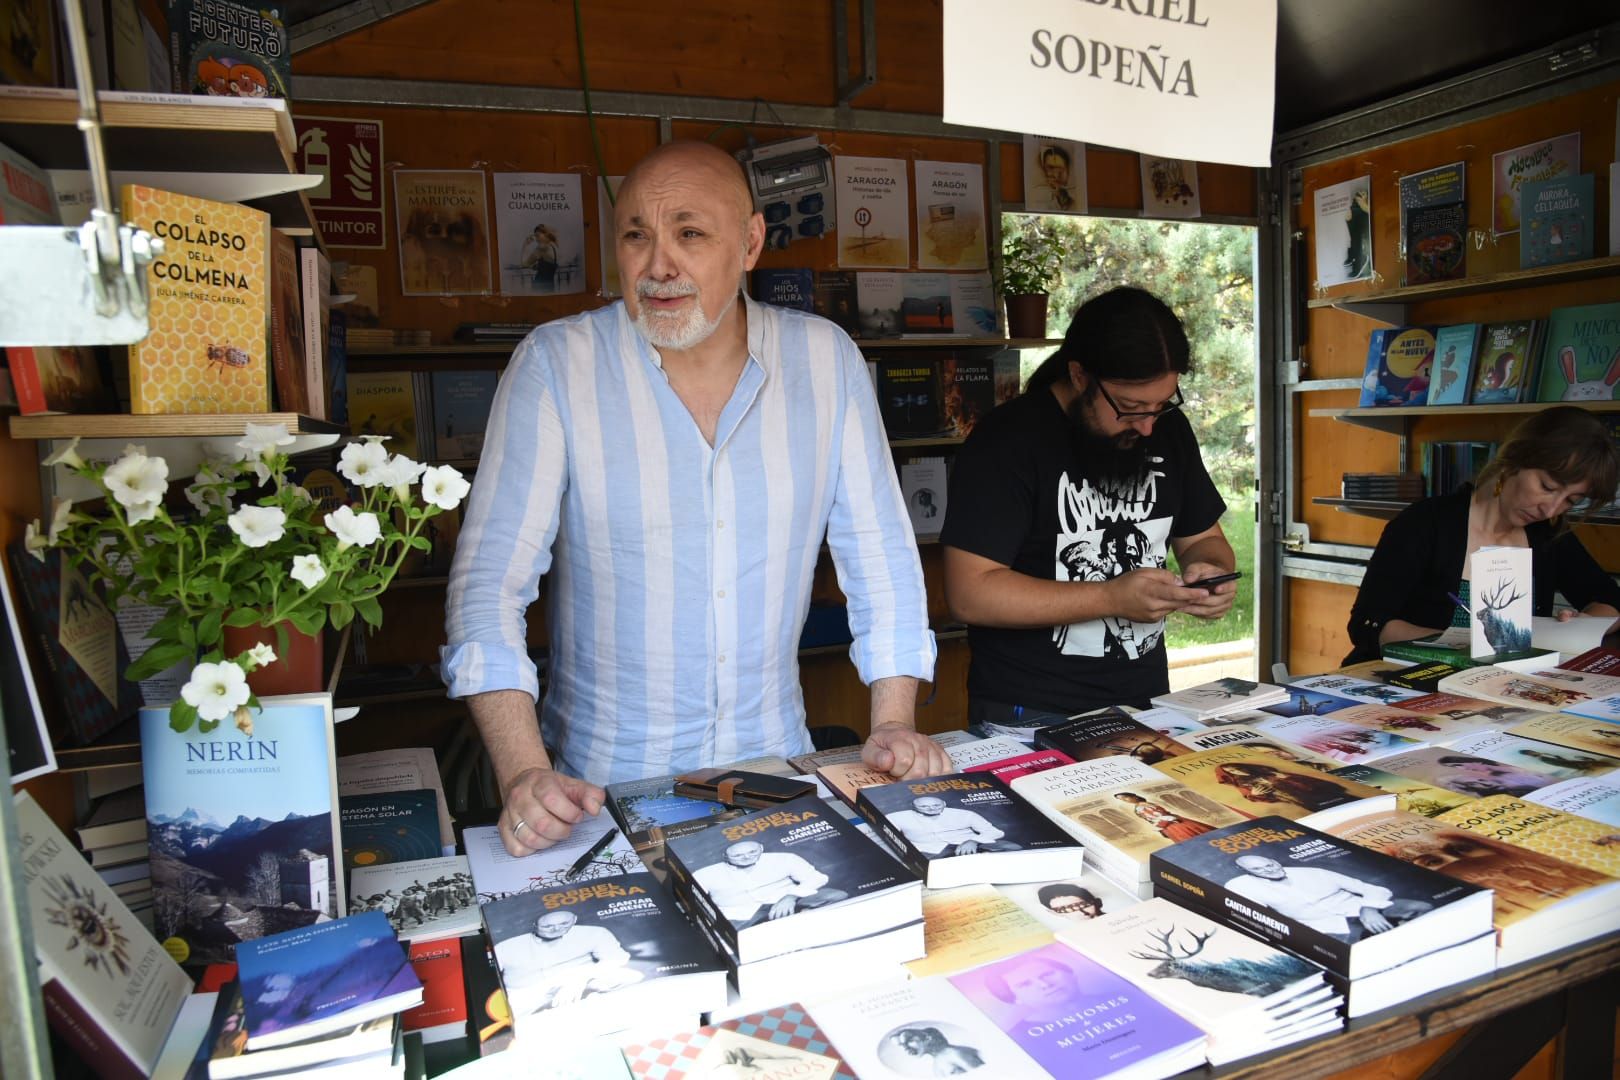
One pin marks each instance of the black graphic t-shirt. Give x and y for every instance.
(1021, 496)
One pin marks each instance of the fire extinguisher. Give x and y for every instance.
(317, 158)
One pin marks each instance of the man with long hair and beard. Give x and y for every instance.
(1063, 509)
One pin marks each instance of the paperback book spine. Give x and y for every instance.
(909, 853)
(701, 907)
(76, 1027)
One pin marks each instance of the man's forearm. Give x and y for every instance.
(894, 701)
(1214, 550)
(511, 735)
(1011, 600)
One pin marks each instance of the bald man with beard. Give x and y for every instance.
(673, 461)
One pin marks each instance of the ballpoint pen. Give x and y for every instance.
(585, 860)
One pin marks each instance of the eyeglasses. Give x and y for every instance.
(1176, 401)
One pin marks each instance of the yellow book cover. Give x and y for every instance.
(1568, 837)
(210, 297)
(384, 403)
(973, 925)
(1256, 784)
(1525, 881)
(1574, 732)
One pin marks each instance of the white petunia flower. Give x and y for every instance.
(208, 489)
(399, 474)
(61, 517)
(136, 478)
(215, 690)
(308, 571)
(262, 654)
(444, 487)
(67, 455)
(352, 529)
(377, 439)
(142, 511)
(260, 439)
(257, 526)
(35, 542)
(362, 463)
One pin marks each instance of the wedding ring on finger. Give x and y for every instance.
(517, 824)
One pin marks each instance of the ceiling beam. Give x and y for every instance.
(355, 15)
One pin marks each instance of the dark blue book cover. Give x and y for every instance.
(789, 288)
(389, 827)
(340, 972)
(461, 404)
(1399, 363)
(1434, 216)
(1557, 220)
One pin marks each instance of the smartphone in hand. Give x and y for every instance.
(1210, 582)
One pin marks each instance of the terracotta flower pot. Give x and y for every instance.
(300, 668)
(1026, 315)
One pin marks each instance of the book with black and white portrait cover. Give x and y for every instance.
(793, 877)
(424, 899)
(1110, 734)
(601, 956)
(1246, 995)
(926, 1027)
(1122, 811)
(968, 829)
(1351, 910)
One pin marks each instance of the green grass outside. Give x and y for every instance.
(1182, 631)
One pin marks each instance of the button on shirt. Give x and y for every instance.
(680, 572)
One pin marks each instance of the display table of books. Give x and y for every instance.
(1242, 880)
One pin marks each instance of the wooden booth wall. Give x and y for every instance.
(710, 49)
(1336, 347)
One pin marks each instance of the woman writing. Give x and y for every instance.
(1550, 461)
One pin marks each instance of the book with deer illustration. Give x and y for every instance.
(1581, 357)
(1507, 352)
(1246, 995)
(1452, 374)
(210, 303)
(1499, 588)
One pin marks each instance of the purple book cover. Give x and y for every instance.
(1076, 1018)
(304, 976)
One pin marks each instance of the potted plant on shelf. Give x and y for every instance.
(256, 569)
(1030, 265)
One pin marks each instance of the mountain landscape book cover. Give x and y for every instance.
(243, 831)
(210, 304)
(302, 983)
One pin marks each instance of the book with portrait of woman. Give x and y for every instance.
(1255, 784)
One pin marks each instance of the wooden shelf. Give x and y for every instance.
(1397, 420)
(924, 443)
(180, 425)
(1390, 305)
(946, 341)
(162, 133)
(1385, 509)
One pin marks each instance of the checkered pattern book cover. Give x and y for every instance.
(787, 1031)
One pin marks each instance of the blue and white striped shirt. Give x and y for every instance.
(680, 572)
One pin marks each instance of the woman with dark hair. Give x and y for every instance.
(1550, 462)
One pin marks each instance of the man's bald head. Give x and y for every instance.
(692, 158)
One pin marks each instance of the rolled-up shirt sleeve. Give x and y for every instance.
(873, 547)
(505, 543)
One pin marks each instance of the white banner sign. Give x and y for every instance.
(1175, 78)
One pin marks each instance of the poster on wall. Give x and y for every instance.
(540, 233)
(1172, 79)
(950, 216)
(1512, 169)
(607, 234)
(1169, 188)
(1054, 175)
(874, 222)
(442, 219)
(1344, 232)
(347, 155)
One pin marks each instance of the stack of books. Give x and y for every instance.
(795, 898)
(113, 839)
(496, 333)
(1382, 487)
(1207, 701)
